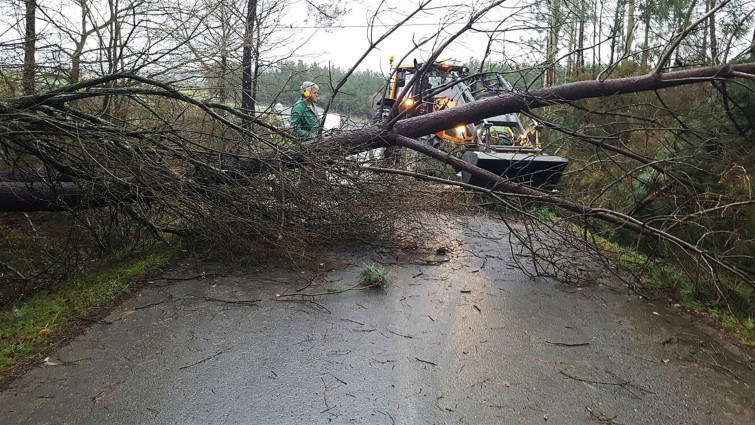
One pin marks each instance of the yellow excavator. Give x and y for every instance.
(499, 144)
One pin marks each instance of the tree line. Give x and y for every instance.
(232, 47)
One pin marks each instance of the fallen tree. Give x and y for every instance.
(33, 125)
(27, 197)
(376, 136)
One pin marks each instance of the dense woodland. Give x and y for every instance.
(150, 120)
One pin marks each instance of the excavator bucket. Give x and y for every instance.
(516, 165)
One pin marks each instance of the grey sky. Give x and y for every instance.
(343, 44)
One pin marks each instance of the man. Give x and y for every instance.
(304, 120)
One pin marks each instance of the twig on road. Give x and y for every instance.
(305, 301)
(432, 262)
(590, 381)
(220, 300)
(566, 344)
(197, 276)
(393, 421)
(601, 417)
(202, 361)
(623, 383)
(401, 335)
(426, 361)
(325, 399)
(142, 307)
(340, 291)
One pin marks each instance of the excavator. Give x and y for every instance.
(499, 144)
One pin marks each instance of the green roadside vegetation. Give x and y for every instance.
(658, 278)
(666, 279)
(373, 275)
(29, 327)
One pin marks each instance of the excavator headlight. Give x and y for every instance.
(461, 131)
(408, 103)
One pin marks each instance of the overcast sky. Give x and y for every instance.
(342, 44)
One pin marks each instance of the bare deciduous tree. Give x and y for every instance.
(30, 41)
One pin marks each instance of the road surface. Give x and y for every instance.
(462, 337)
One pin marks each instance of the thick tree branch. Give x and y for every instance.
(621, 220)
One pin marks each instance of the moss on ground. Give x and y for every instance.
(28, 328)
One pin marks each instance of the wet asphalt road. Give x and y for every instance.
(458, 338)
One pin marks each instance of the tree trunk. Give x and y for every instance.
(111, 52)
(222, 92)
(713, 40)
(16, 198)
(595, 29)
(683, 22)
(597, 25)
(552, 44)
(646, 19)
(21, 197)
(616, 30)
(223, 86)
(247, 101)
(30, 40)
(630, 31)
(581, 38)
(75, 75)
(572, 49)
(257, 69)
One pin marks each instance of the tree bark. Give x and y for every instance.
(247, 101)
(630, 31)
(646, 19)
(595, 31)
(30, 40)
(572, 48)
(615, 30)
(683, 22)
(27, 197)
(713, 40)
(581, 38)
(552, 44)
(75, 74)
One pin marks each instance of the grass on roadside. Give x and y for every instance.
(27, 328)
(667, 279)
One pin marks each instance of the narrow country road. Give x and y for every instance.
(462, 337)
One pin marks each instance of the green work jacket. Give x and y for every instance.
(304, 120)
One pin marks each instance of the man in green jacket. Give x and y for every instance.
(304, 120)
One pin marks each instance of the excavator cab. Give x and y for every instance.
(500, 144)
(441, 86)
